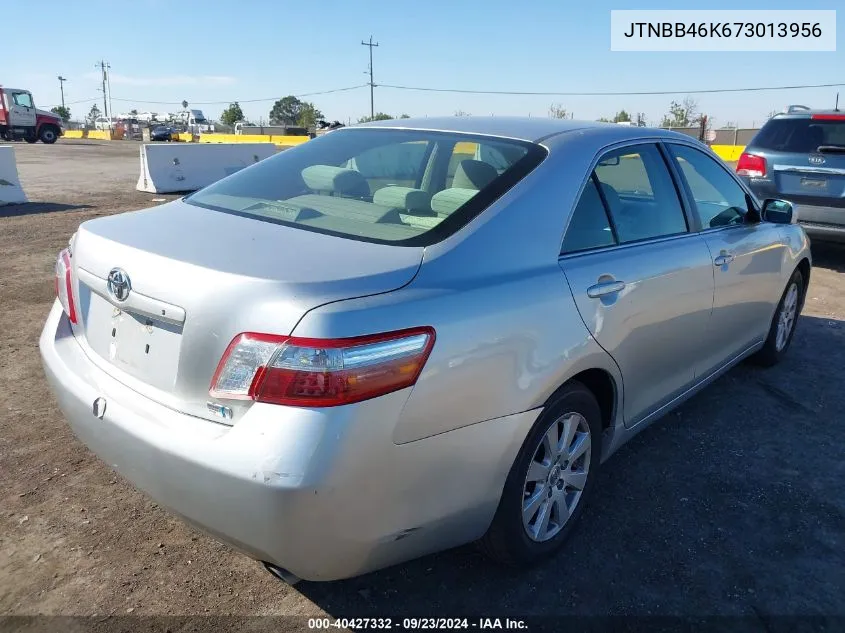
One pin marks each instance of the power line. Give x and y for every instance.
(609, 94)
(305, 94)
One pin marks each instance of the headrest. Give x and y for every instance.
(403, 198)
(449, 200)
(339, 180)
(474, 174)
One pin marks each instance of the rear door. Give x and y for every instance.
(747, 257)
(807, 163)
(641, 279)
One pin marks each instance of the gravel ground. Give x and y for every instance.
(734, 505)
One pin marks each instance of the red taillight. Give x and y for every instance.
(64, 285)
(751, 165)
(828, 117)
(306, 372)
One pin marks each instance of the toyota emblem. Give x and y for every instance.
(118, 284)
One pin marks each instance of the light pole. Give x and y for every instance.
(62, 81)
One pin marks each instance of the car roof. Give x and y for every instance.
(533, 129)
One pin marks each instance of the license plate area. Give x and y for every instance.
(142, 346)
(814, 184)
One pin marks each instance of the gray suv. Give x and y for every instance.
(799, 156)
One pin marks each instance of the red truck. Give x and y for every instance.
(19, 118)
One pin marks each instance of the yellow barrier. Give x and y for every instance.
(289, 141)
(73, 134)
(100, 135)
(464, 147)
(218, 138)
(184, 137)
(728, 153)
(253, 138)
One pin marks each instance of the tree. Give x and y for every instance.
(93, 113)
(133, 112)
(772, 113)
(378, 116)
(232, 114)
(622, 117)
(404, 116)
(557, 111)
(641, 119)
(184, 105)
(291, 111)
(683, 114)
(462, 113)
(729, 125)
(308, 115)
(62, 111)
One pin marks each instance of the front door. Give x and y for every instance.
(642, 281)
(747, 257)
(21, 109)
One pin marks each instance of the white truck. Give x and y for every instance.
(193, 120)
(20, 119)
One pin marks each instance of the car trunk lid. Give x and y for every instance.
(185, 280)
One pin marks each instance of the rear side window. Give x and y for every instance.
(381, 185)
(589, 227)
(800, 135)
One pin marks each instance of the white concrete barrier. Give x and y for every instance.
(11, 191)
(171, 167)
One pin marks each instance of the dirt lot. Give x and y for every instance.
(734, 505)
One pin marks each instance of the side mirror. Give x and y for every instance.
(777, 211)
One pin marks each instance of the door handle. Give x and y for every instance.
(723, 259)
(605, 288)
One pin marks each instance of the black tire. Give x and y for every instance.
(771, 353)
(49, 134)
(507, 540)
(31, 137)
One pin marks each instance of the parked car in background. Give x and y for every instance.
(345, 356)
(800, 156)
(162, 133)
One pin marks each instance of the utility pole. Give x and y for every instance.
(62, 81)
(102, 65)
(372, 85)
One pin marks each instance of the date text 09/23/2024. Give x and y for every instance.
(435, 624)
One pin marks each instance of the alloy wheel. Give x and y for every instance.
(786, 318)
(556, 477)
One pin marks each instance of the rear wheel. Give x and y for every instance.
(31, 136)
(549, 482)
(783, 323)
(49, 134)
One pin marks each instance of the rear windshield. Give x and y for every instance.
(403, 187)
(800, 135)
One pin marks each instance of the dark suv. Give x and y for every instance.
(800, 156)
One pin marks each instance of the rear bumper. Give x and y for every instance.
(824, 232)
(323, 493)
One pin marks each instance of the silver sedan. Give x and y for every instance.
(403, 337)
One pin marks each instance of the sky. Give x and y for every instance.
(162, 51)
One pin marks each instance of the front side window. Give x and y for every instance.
(639, 193)
(382, 185)
(23, 99)
(719, 200)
